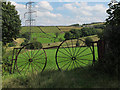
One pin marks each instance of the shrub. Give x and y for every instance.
(26, 35)
(77, 43)
(67, 35)
(60, 39)
(11, 44)
(34, 45)
(25, 42)
(88, 41)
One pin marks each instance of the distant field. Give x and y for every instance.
(50, 29)
(68, 28)
(40, 29)
(33, 29)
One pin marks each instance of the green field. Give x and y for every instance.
(68, 28)
(40, 29)
(47, 38)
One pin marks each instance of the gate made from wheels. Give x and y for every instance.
(28, 59)
(74, 53)
(70, 54)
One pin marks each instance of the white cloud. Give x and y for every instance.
(18, 6)
(83, 8)
(44, 5)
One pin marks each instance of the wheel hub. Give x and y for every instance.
(30, 60)
(73, 58)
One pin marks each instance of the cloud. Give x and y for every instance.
(84, 9)
(18, 6)
(43, 6)
(74, 13)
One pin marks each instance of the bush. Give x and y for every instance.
(100, 34)
(25, 42)
(26, 35)
(88, 41)
(11, 44)
(34, 45)
(67, 35)
(77, 43)
(60, 39)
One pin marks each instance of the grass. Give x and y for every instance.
(35, 29)
(77, 78)
(68, 28)
(50, 29)
(47, 38)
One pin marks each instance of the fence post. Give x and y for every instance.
(93, 53)
(101, 49)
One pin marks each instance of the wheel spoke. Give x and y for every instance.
(74, 51)
(63, 61)
(74, 64)
(81, 52)
(27, 69)
(82, 62)
(62, 57)
(39, 59)
(39, 55)
(27, 54)
(65, 54)
(86, 59)
(23, 67)
(85, 55)
(39, 62)
(68, 66)
(32, 53)
(22, 57)
(67, 51)
(72, 47)
(68, 48)
(65, 64)
(78, 50)
(21, 61)
(36, 53)
(79, 65)
(34, 67)
(37, 65)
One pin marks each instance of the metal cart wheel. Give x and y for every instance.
(30, 59)
(73, 54)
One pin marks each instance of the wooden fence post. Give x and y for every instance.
(93, 53)
(101, 49)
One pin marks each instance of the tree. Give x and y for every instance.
(75, 33)
(112, 30)
(111, 35)
(67, 35)
(11, 23)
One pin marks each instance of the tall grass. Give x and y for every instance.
(77, 78)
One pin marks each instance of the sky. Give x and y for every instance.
(63, 12)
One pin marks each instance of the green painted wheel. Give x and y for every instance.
(31, 59)
(73, 54)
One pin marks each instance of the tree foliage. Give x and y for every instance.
(75, 33)
(110, 62)
(112, 31)
(11, 23)
(67, 35)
